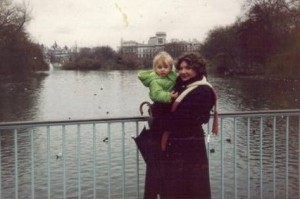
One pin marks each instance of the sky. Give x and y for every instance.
(91, 23)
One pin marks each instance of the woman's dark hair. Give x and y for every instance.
(195, 61)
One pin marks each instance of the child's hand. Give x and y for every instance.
(174, 95)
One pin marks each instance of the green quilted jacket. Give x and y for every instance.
(160, 87)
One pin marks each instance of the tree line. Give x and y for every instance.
(264, 40)
(102, 58)
(18, 54)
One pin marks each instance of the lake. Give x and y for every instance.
(64, 95)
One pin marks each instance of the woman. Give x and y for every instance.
(184, 165)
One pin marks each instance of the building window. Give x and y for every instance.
(160, 41)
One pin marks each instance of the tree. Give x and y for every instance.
(264, 40)
(13, 16)
(18, 55)
(103, 57)
(222, 48)
(274, 27)
(175, 49)
(106, 52)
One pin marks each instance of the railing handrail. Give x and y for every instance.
(18, 124)
(262, 113)
(6, 125)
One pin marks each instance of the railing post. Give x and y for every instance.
(16, 164)
(48, 163)
(222, 159)
(109, 160)
(94, 160)
(248, 157)
(64, 155)
(287, 158)
(123, 161)
(79, 160)
(261, 157)
(32, 164)
(0, 165)
(235, 162)
(274, 157)
(299, 156)
(137, 164)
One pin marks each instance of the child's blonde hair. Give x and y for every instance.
(163, 58)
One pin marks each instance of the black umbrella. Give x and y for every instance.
(148, 143)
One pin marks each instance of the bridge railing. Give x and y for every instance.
(255, 155)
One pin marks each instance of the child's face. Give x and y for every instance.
(162, 70)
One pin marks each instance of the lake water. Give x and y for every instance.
(63, 95)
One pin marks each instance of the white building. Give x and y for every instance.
(155, 44)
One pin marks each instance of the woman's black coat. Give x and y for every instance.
(183, 170)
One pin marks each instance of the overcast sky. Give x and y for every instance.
(90, 23)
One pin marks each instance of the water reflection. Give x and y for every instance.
(240, 94)
(19, 97)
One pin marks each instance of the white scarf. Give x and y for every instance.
(189, 88)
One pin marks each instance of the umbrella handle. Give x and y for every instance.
(149, 107)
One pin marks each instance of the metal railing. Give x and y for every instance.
(255, 155)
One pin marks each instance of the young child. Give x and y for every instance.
(160, 81)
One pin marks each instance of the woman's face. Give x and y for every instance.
(185, 71)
